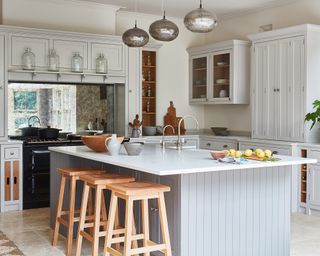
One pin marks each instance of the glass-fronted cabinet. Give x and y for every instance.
(221, 73)
(199, 78)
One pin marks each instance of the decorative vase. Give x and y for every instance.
(53, 61)
(101, 64)
(113, 145)
(77, 63)
(28, 60)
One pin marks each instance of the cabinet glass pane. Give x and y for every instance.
(199, 78)
(221, 75)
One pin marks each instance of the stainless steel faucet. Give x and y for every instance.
(163, 133)
(179, 141)
(36, 118)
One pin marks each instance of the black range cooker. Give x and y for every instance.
(36, 168)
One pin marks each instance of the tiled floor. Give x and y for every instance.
(31, 233)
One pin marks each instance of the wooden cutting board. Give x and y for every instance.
(262, 158)
(171, 119)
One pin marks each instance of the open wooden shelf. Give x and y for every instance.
(149, 69)
(303, 178)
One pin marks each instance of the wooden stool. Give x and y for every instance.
(73, 174)
(98, 182)
(137, 191)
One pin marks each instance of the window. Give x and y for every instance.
(25, 101)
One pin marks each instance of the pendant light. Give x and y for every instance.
(135, 37)
(164, 30)
(200, 20)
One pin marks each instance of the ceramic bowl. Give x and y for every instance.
(220, 131)
(149, 130)
(98, 142)
(216, 155)
(133, 148)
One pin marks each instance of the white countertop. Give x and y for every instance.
(155, 160)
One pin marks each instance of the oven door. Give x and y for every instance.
(40, 161)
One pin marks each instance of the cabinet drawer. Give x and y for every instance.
(313, 153)
(11, 153)
(218, 145)
(274, 148)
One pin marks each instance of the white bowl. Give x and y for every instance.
(149, 130)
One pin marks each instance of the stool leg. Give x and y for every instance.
(59, 209)
(145, 223)
(96, 225)
(90, 208)
(128, 228)
(164, 224)
(103, 209)
(112, 215)
(71, 214)
(83, 210)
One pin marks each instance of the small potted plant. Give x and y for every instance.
(314, 116)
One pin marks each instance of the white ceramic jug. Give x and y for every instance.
(113, 145)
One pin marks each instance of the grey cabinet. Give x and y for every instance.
(3, 88)
(314, 187)
(284, 83)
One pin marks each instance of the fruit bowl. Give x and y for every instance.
(216, 155)
(97, 142)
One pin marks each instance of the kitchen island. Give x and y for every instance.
(213, 208)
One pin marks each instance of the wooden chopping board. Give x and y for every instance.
(171, 119)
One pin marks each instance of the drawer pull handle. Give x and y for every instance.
(208, 144)
(11, 153)
(15, 180)
(8, 181)
(225, 146)
(154, 209)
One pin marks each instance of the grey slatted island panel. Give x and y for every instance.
(238, 211)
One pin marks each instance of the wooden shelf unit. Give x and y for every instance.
(303, 178)
(149, 83)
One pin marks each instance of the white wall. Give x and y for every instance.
(60, 15)
(173, 66)
(304, 11)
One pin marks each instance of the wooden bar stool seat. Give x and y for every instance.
(130, 192)
(72, 174)
(97, 182)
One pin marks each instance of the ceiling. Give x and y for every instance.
(178, 8)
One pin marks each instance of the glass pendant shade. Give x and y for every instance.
(200, 20)
(164, 30)
(135, 37)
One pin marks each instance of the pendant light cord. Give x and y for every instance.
(200, 4)
(162, 9)
(135, 13)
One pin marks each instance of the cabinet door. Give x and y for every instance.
(221, 84)
(297, 97)
(199, 78)
(3, 107)
(38, 45)
(264, 67)
(282, 91)
(66, 49)
(7, 181)
(114, 53)
(314, 186)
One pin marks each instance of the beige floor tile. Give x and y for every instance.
(31, 232)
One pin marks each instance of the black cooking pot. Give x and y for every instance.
(29, 131)
(48, 133)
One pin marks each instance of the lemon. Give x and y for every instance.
(232, 152)
(248, 152)
(268, 153)
(226, 152)
(258, 150)
(261, 154)
(238, 154)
